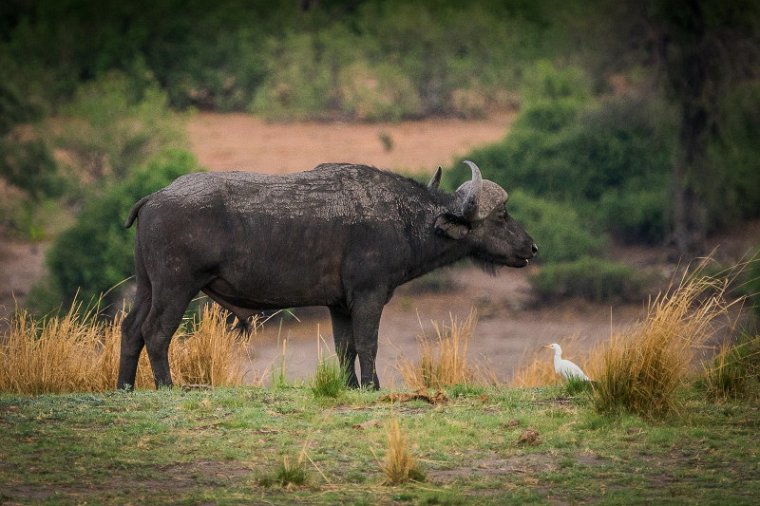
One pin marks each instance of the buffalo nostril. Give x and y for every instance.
(534, 249)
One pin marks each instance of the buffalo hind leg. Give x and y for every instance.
(365, 317)
(162, 321)
(343, 335)
(132, 341)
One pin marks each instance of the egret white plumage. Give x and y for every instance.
(564, 367)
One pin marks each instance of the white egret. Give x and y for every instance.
(564, 367)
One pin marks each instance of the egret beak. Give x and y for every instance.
(548, 346)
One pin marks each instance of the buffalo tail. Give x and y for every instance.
(134, 211)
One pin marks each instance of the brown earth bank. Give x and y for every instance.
(245, 142)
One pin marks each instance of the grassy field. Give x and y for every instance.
(485, 445)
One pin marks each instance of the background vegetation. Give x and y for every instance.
(634, 126)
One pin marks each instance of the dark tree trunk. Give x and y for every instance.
(688, 64)
(690, 174)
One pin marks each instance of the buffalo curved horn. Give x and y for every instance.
(472, 195)
(435, 182)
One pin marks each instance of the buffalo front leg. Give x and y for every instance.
(343, 335)
(366, 321)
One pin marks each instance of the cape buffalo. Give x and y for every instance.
(340, 235)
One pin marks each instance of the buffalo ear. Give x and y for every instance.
(436, 180)
(450, 227)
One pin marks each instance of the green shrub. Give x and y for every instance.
(297, 84)
(14, 107)
(30, 167)
(96, 253)
(455, 58)
(589, 278)
(558, 231)
(610, 159)
(115, 125)
(25, 163)
(376, 93)
(733, 193)
(635, 216)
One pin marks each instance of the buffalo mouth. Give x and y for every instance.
(491, 262)
(521, 262)
(518, 261)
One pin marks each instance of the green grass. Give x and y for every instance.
(330, 380)
(227, 446)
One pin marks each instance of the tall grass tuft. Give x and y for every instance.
(330, 380)
(211, 353)
(399, 465)
(76, 352)
(289, 474)
(443, 359)
(735, 371)
(642, 369)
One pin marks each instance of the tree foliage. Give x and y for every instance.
(286, 58)
(96, 254)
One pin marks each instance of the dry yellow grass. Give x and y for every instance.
(443, 359)
(399, 465)
(211, 353)
(75, 352)
(642, 369)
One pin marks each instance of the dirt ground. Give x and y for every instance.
(245, 142)
(510, 329)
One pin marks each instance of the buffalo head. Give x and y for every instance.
(481, 219)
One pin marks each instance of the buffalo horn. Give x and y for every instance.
(471, 198)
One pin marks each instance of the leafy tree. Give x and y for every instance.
(704, 46)
(697, 51)
(95, 254)
(117, 124)
(26, 164)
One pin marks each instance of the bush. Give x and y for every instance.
(115, 124)
(297, 85)
(609, 159)
(733, 193)
(635, 216)
(377, 93)
(95, 254)
(30, 167)
(556, 228)
(592, 279)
